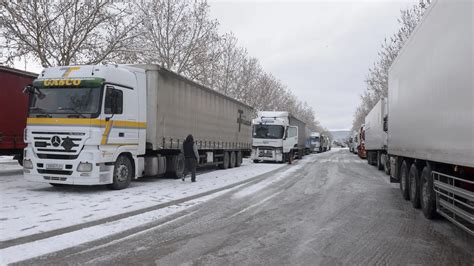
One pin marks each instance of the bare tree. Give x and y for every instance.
(65, 32)
(177, 34)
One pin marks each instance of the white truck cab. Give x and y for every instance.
(273, 138)
(83, 121)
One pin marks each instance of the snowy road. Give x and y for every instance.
(330, 208)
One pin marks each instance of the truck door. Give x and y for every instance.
(291, 139)
(121, 127)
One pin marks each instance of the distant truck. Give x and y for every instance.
(354, 142)
(315, 142)
(431, 114)
(376, 135)
(277, 136)
(109, 124)
(361, 142)
(13, 110)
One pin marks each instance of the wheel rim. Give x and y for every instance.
(122, 173)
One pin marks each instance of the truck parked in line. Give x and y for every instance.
(431, 114)
(13, 111)
(109, 124)
(361, 142)
(277, 136)
(376, 135)
(325, 143)
(354, 142)
(315, 142)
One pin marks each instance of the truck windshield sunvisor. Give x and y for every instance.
(66, 102)
(268, 131)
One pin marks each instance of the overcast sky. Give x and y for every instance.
(320, 49)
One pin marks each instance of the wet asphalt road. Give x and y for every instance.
(335, 209)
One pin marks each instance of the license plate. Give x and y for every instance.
(54, 166)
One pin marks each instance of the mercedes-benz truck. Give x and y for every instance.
(109, 124)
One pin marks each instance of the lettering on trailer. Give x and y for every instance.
(241, 120)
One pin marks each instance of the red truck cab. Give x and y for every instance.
(361, 148)
(13, 110)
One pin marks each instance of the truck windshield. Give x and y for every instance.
(268, 131)
(314, 139)
(66, 102)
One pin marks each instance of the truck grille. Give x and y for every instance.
(268, 153)
(58, 145)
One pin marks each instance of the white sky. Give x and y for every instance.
(320, 49)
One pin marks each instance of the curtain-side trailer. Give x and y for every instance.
(13, 110)
(108, 124)
(431, 114)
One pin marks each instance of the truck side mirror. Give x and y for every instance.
(385, 124)
(31, 90)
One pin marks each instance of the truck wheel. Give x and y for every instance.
(427, 194)
(239, 159)
(386, 165)
(175, 165)
(380, 165)
(122, 175)
(404, 181)
(414, 178)
(369, 158)
(256, 161)
(225, 161)
(233, 159)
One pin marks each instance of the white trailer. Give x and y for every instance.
(277, 136)
(431, 114)
(376, 135)
(108, 124)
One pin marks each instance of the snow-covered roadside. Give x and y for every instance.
(60, 242)
(7, 164)
(28, 208)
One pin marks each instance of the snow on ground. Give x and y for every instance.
(68, 240)
(28, 208)
(7, 164)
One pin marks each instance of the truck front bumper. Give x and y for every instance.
(268, 154)
(66, 171)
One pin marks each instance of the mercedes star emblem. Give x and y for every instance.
(55, 141)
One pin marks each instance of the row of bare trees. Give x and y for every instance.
(377, 78)
(177, 34)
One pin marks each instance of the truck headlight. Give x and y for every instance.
(27, 164)
(278, 151)
(84, 167)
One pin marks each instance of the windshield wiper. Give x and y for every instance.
(43, 111)
(72, 109)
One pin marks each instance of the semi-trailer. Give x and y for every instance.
(376, 135)
(315, 141)
(13, 110)
(109, 124)
(277, 136)
(431, 114)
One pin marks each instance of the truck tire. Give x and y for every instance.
(225, 161)
(414, 179)
(239, 159)
(256, 161)
(123, 172)
(427, 194)
(404, 182)
(386, 165)
(175, 165)
(233, 159)
(380, 165)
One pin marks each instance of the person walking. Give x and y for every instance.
(191, 157)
